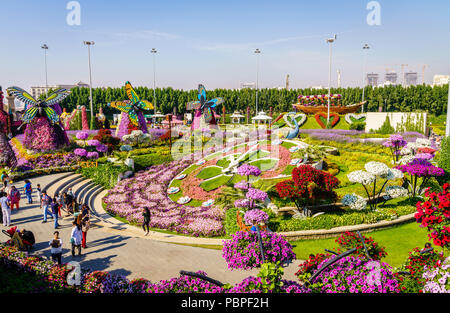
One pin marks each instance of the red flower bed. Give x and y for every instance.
(349, 240)
(434, 214)
(308, 185)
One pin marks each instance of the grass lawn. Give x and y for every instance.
(398, 241)
(209, 172)
(265, 165)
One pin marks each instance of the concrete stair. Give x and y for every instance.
(87, 192)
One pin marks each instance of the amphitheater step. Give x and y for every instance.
(58, 184)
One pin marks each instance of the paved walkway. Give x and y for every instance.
(114, 251)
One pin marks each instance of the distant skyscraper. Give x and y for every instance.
(372, 79)
(391, 78)
(411, 79)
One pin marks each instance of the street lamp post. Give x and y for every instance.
(365, 49)
(45, 47)
(154, 51)
(258, 52)
(89, 44)
(447, 127)
(330, 41)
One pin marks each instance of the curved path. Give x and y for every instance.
(122, 249)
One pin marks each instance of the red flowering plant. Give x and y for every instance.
(308, 186)
(105, 137)
(349, 240)
(307, 268)
(415, 266)
(434, 214)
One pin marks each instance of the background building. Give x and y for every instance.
(391, 78)
(248, 85)
(440, 80)
(410, 79)
(36, 92)
(372, 79)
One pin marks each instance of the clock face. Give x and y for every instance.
(208, 176)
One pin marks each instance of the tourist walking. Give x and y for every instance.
(56, 247)
(85, 225)
(14, 197)
(45, 204)
(28, 191)
(59, 201)
(55, 210)
(75, 238)
(6, 210)
(146, 224)
(68, 203)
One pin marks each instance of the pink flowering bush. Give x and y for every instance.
(258, 216)
(41, 135)
(149, 189)
(243, 251)
(355, 275)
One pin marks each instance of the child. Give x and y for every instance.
(39, 194)
(14, 197)
(28, 191)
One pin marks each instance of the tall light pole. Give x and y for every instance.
(447, 128)
(45, 47)
(365, 50)
(330, 41)
(154, 51)
(89, 44)
(258, 52)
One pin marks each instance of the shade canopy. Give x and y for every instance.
(262, 116)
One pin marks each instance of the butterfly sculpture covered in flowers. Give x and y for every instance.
(39, 108)
(203, 107)
(44, 131)
(133, 107)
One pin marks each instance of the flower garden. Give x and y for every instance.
(227, 180)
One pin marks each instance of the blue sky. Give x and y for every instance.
(212, 42)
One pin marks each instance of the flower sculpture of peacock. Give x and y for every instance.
(203, 108)
(131, 112)
(44, 131)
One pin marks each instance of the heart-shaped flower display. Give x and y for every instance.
(321, 119)
(353, 118)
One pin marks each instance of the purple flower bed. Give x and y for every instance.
(48, 161)
(354, 275)
(243, 252)
(340, 135)
(149, 189)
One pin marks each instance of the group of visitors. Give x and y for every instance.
(9, 199)
(51, 207)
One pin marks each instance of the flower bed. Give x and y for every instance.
(149, 189)
(53, 278)
(243, 250)
(355, 275)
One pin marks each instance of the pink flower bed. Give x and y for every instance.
(149, 189)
